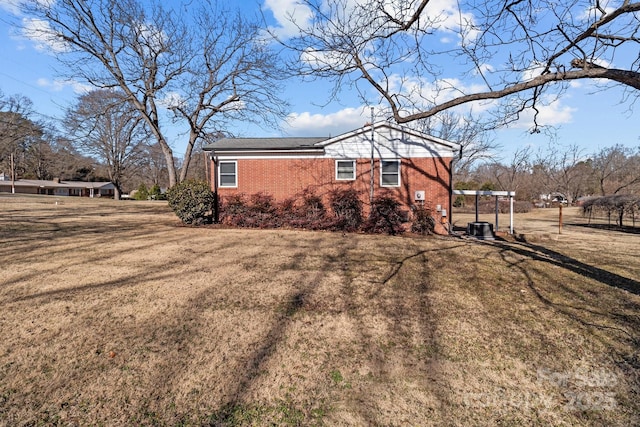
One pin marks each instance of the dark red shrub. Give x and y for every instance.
(347, 209)
(385, 216)
(423, 221)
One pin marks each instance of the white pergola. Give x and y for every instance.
(510, 194)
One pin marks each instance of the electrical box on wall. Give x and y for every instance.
(419, 196)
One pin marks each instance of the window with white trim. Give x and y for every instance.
(345, 170)
(228, 173)
(390, 173)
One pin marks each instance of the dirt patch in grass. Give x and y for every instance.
(115, 314)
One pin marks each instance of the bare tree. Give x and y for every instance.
(233, 75)
(21, 139)
(512, 177)
(66, 162)
(617, 168)
(473, 137)
(154, 170)
(109, 129)
(15, 126)
(513, 51)
(565, 170)
(198, 59)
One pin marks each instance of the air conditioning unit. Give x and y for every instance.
(419, 196)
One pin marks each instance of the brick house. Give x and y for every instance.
(410, 166)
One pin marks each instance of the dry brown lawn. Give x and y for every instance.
(115, 314)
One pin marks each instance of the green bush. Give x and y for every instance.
(142, 193)
(459, 202)
(155, 193)
(192, 201)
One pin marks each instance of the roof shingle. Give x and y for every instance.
(291, 143)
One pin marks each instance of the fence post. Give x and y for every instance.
(560, 219)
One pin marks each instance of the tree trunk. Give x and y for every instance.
(621, 215)
(168, 155)
(171, 167)
(187, 156)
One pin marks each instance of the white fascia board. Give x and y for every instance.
(484, 193)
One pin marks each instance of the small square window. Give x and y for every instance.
(345, 170)
(227, 174)
(390, 173)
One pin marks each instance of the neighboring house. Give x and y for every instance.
(411, 166)
(56, 187)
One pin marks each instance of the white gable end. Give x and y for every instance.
(389, 143)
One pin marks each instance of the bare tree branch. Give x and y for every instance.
(516, 52)
(109, 129)
(154, 52)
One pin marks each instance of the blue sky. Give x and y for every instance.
(590, 120)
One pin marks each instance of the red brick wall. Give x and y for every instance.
(283, 178)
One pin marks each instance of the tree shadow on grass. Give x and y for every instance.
(585, 310)
(609, 227)
(385, 297)
(544, 254)
(399, 264)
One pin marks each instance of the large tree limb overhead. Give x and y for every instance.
(411, 53)
(590, 71)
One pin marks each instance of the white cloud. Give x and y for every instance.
(419, 93)
(552, 114)
(449, 17)
(290, 15)
(173, 99)
(58, 85)
(324, 59)
(534, 70)
(484, 68)
(443, 15)
(592, 13)
(40, 32)
(153, 38)
(345, 120)
(11, 6)
(602, 62)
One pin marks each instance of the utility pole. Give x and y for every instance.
(372, 162)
